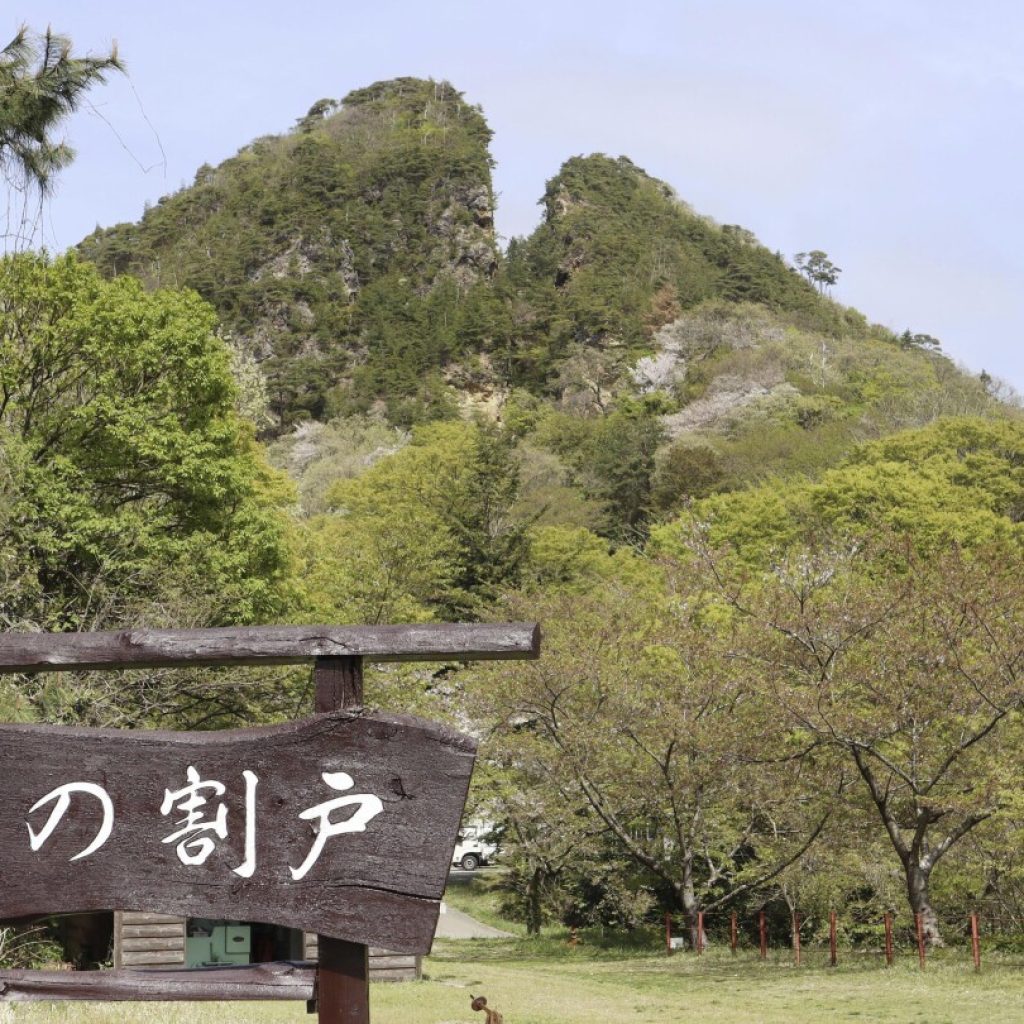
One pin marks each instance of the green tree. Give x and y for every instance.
(635, 719)
(544, 841)
(910, 339)
(958, 481)
(817, 268)
(451, 490)
(619, 462)
(685, 471)
(124, 462)
(910, 666)
(902, 652)
(318, 455)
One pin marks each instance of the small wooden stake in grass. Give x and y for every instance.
(700, 932)
(832, 957)
(796, 937)
(480, 1003)
(888, 940)
(763, 928)
(919, 921)
(975, 942)
(732, 932)
(668, 933)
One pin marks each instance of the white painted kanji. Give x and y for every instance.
(197, 838)
(62, 796)
(368, 807)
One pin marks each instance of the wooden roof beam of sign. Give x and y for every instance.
(266, 645)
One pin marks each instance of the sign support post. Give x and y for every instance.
(343, 975)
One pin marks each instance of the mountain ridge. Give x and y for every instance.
(354, 265)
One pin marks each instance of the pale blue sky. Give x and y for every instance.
(887, 133)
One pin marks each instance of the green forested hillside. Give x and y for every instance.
(641, 353)
(618, 255)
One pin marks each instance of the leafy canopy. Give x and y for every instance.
(959, 480)
(123, 459)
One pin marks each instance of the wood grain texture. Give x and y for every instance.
(258, 982)
(155, 958)
(153, 931)
(338, 684)
(343, 982)
(155, 945)
(343, 974)
(266, 645)
(381, 886)
(131, 925)
(140, 917)
(385, 964)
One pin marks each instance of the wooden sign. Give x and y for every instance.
(342, 824)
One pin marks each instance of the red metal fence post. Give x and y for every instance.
(919, 921)
(975, 942)
(796, 937)
(832, 955)
(763, 929)
(732, 932)
(700, 932)
(888, 940)
(668, 934)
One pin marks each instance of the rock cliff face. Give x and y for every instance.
(299, 239)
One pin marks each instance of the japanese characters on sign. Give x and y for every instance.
(197, 837)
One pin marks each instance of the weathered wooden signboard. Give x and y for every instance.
(342, 824)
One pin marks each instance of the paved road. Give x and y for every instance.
(454, 924)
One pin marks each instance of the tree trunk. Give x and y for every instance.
(690, 906)
(920, 901)
(534, 913)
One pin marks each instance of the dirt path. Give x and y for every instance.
(454, 924)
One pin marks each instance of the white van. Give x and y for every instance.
(471, 851)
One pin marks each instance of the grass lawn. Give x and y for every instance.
(585, 986)
(543, 981)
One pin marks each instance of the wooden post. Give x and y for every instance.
(833, 958)
(796, 937)
(763, 929)
(700, 932)
(888, 940)
(343, 975)
(339, 684)
(732, 932)
(975, 942)
(343, 982)
(919, 921)
(668, 934)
